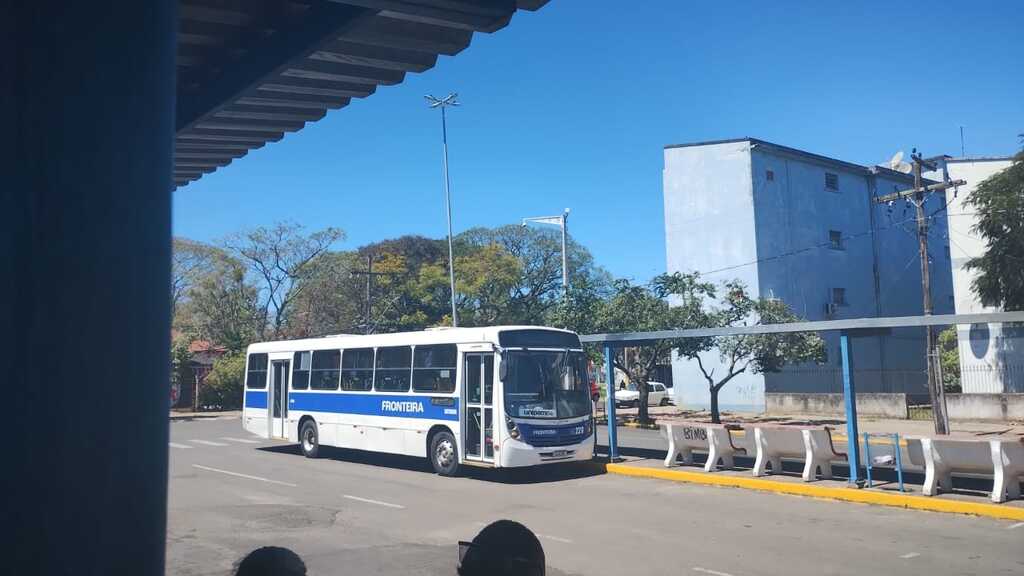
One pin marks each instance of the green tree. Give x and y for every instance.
(999, 203)
(278, 258)
(486, 279)
(190, 260)
(181, 370)
(758, 353)
(640, 308)
(538, 289)
(329, 299)
(949, 357)
(223, 306)
(222, 389)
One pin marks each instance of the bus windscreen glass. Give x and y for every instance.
(546, 384)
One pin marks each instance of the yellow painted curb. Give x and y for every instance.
(825, 492)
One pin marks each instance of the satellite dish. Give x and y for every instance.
(896, 163)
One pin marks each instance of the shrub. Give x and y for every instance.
(223, 387)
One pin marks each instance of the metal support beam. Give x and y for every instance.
(613, 440)
(850, 399)
(636, 338)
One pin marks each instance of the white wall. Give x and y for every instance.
(991, 356)
(710, 224)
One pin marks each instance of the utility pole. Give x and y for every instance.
(917, 197)
(369, 273)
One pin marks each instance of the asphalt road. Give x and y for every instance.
(356, 513)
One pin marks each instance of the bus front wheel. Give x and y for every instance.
(444, 454)
(309, 439)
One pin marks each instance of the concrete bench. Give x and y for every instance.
(914, 452)
(715, 439)
(1008, 465)
(944, 456)
(812, 445)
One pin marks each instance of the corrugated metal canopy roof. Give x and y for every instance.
(250, 71)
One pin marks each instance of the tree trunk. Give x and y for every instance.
(642, 413)
(715, 417)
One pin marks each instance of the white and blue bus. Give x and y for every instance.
(434, 394)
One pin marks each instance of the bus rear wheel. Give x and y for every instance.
(309, 439)
(444, 454)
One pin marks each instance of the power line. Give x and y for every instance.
(827, 244)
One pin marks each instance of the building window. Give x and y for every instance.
(769, 175)
(256, 375)
(433, 368)
(357, 369)
(839, 296)
(394, 367)
(835, 239)
(948, 255)
(831, 181)
(300, 370)
(326, 368)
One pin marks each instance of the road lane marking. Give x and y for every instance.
(712, 572)
(369, 501)
(1017, 525)
(176, 445)
(240, 475)
(208, 443)
(242, 440)
(910, 555)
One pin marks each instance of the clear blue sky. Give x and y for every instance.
(571, 107)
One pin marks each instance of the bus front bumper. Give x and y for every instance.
(514, 453)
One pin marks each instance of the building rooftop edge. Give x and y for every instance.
(860, 168)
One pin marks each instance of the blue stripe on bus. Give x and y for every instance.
(401, 405)
(255, 398)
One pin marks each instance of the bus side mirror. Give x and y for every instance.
(502, 370)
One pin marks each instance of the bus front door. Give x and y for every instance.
(478, 398)
(279, 398)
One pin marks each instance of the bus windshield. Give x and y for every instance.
(546, 384)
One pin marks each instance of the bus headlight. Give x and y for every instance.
(513, 430)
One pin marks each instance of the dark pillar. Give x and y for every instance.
(89, 94)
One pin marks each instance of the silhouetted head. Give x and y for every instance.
(271, 561)
(503, 548)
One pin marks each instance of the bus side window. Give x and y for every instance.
(326, 367)
(256, 375)
(394, 367)
(300, 370)
(434, 368)
(357, 369)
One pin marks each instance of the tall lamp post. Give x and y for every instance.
(561, 221)
(443, 103)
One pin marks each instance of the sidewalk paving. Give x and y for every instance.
(960, 501)
(182, 415)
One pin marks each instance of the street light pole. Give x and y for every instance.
(443, 103)
(562, 220)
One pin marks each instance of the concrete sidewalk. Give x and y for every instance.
(180, 415)
(960, 501)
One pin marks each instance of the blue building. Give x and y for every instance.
(804, 228)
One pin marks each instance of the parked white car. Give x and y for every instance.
(657, 395)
